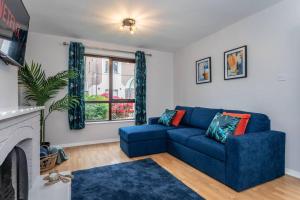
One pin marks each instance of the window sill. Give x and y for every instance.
(109, 122)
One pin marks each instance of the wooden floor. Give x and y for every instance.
(90, 156)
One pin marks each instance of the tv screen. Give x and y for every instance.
(14, 24)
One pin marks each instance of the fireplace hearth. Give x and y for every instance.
(14, 176)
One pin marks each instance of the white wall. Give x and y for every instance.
(8, 85)
(49, 51)
(273, 39)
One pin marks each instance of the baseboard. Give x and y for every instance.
(90, 142)
(292, 172)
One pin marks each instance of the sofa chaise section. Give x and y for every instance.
(143, 140)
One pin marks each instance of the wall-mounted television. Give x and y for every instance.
(14, 24)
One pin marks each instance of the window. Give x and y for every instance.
(105, 64)
(116, 67)
(109, 88)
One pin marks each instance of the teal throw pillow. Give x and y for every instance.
(166, 117)
(222, 126)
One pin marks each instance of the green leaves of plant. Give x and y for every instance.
(64, 104)
(39, 88)
(32, 78)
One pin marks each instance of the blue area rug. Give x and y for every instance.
(137, 180)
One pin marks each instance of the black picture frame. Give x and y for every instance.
(207, 78)
(242, 67)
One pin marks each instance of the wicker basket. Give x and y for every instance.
(48, 162)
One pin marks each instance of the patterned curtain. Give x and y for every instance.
(140, 88)
(76, 86)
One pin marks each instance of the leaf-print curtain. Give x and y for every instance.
(140, 88)
(76, 86)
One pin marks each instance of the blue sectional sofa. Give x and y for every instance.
(242, 162)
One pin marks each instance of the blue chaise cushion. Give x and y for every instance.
(202, 117)
(258, 122)
(144, 132)
(207, 146)
(187, 117)
(181, 135)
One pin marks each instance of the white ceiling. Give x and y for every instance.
(162, 24)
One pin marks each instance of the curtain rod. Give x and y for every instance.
(105, 49)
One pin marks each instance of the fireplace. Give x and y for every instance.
(14, 176)
(19, 153)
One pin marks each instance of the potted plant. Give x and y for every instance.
(39, 90)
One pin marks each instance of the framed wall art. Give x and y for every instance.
(203, 70)
(235, 63)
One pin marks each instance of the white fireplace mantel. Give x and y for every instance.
(11, 112)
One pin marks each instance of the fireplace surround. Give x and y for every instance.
(19, 151)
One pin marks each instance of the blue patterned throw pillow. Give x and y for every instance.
(222, 126)
(166, 117)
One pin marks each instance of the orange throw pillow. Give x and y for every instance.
(178, 117)
(242, 125)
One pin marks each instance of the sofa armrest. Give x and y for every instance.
(254, 158)
(153, 120)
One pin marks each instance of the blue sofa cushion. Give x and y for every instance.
(207, 146)
(257, 123)
(144, 132)
(166, 117)
(202, 117)
(221, 127)
(181, 135)
(187, 117)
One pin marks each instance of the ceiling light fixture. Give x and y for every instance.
(128, 23)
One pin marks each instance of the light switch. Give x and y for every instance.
(282, 77)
